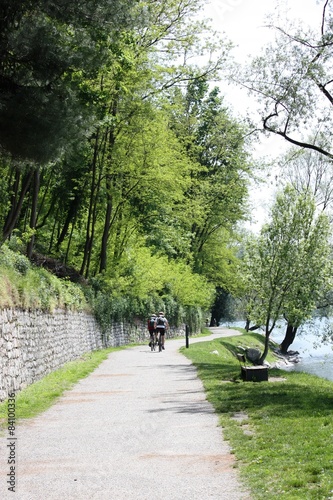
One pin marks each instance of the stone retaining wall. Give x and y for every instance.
(34, 343)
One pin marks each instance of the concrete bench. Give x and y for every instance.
(252, 373)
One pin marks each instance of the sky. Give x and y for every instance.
(243, 22)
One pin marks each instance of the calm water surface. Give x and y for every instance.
(316, 357)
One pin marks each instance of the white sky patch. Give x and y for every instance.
(243, 21)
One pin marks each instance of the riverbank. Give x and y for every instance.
(280, 431)
(264, 424)
(315, 357)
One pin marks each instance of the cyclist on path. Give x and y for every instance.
(152, 328)
(161, 327)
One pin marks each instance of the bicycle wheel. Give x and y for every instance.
(159, 343)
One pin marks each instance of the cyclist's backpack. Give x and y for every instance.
(151, 323)
(161, 321)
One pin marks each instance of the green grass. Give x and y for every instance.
(283, 443)
(39, 396)
(204, 333)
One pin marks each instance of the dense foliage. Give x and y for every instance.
(118, 159)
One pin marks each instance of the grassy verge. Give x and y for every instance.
(281, 432)
(205, 333)
(39, 396)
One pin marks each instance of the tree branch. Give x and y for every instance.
(325, 92)
(296, 142)
(323, 18)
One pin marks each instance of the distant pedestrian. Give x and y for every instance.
(161, 327)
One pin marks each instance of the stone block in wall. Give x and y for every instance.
(9, 346)
(11, 372)
(8, 313)
(9, 354)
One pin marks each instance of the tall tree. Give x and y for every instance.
(288, 267)
(217, 196)
(307, 171)
(94, 70)
(132, 84)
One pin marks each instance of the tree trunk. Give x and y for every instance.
(90, 222)
(253, 328)
(53, 230)
(69, 241)
(16, 203)
(288, 338)
(264, 354)
(268, 331)
(33, 216)
(71, 215)
(108, 180)
(249, 328)
(106, 232)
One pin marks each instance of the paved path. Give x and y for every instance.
(139, 427)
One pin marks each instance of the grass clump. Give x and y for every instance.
(280, 431)
(39, 396)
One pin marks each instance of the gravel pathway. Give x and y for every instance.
(139, 427)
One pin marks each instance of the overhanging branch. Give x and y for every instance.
(284, 134)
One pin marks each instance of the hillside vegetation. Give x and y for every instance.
(25, 286)
(118, 157)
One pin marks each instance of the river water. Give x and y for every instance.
(315, 357)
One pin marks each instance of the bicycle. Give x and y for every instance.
(159, 343)
(152, 343)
